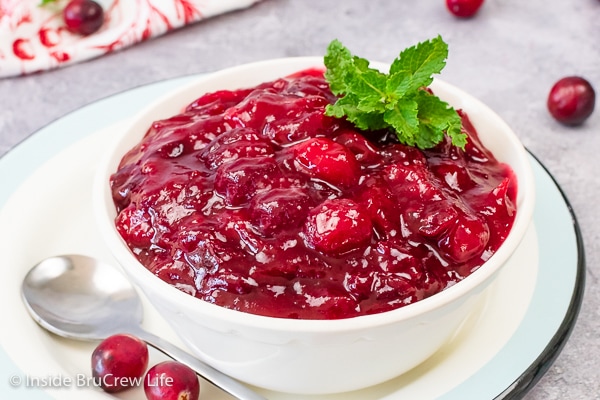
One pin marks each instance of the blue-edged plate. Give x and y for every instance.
(45, 209)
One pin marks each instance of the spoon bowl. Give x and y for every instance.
(78, 297)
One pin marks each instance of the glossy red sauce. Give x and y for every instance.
(254, 200)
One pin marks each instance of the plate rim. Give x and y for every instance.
(531, 376)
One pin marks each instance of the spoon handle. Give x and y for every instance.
(217, 378)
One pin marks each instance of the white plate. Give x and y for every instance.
(45, 201)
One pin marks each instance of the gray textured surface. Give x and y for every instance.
(508, 56)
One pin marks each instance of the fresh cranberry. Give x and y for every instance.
(329, 161)
(571, 100)
(171, 380)
(83, 17)
(464, 8)
(338, 226)
(119, 362)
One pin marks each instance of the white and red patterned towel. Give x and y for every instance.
(34, 38)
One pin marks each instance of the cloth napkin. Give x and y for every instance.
(33, 38)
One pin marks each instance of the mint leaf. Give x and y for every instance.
(420, 62)
(346, 107)
(373, 100)
(44, 2)
(338, 59)
(437, 117)
(404, 119)
(370, 88)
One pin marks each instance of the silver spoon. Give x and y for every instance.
(78, 297)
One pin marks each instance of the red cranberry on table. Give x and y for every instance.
(571, 100)
(171, 380)
(83, 17)
(464, 8)
(118, 362)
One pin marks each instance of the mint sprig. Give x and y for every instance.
(374, 100)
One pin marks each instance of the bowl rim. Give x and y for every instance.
(448, 296)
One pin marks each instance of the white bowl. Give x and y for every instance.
(314, 356)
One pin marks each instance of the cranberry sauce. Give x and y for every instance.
(255, 200)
